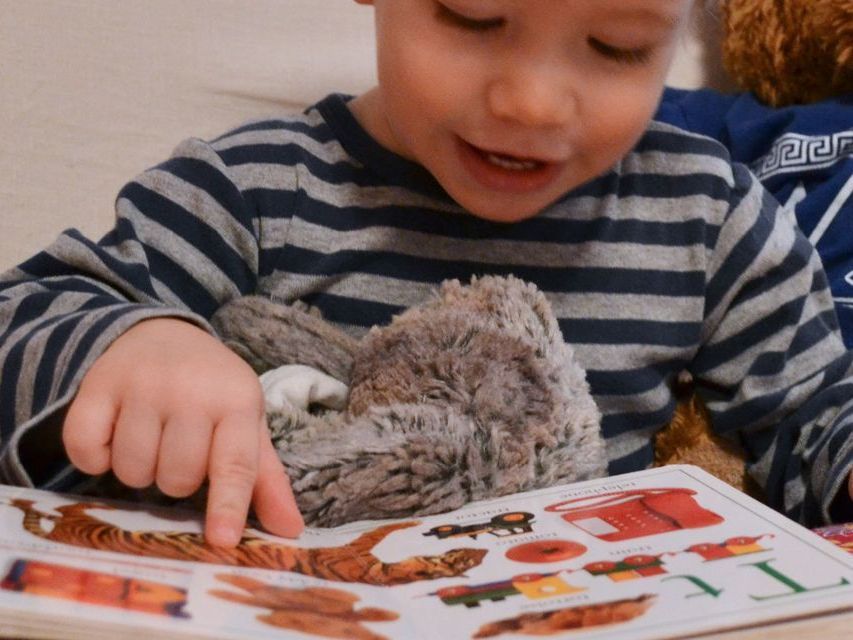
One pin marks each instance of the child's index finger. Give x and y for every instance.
(273, 499)
(232, 470)
(220, 530)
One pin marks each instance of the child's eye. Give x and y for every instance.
(448, 16)
(626, 56)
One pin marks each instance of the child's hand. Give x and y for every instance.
(170, 404)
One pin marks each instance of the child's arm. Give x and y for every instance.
(185, 242)
(774, 368)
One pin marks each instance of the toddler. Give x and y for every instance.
(504, 137)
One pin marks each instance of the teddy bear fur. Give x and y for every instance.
(690, 439)
(471, 395)
(789, 51)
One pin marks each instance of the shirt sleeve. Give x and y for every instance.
(773, 368)
(184, 242)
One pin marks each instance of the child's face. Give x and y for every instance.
(511, 103)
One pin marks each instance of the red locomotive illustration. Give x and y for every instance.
(624, 515)
(94, 587)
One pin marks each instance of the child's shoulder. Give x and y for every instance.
(677, 143)
(270, 148)
(666, 150)
(301, 128)
(683, 173)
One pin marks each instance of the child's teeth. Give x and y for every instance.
(514, 165)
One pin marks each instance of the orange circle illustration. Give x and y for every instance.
(546, 551)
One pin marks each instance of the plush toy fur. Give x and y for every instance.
(469, 396)
(789, 51)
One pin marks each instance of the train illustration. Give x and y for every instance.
(532, 585)
(504, 524)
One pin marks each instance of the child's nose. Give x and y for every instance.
(532, 97)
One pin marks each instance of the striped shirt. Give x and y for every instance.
(674, 260)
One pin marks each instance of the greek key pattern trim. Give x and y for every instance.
(794, 152)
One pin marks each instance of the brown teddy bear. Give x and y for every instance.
(789, 51)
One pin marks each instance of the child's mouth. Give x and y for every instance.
(511, 163)
(506, 172)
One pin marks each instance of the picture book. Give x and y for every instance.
(669, 552)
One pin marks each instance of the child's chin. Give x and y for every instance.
(501, 208)
(508, 216)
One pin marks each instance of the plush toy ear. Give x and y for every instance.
(268, 335)
(792, 52)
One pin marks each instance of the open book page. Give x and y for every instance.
(667, 552)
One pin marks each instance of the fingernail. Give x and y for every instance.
(223, 535)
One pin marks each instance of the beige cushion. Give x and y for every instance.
(94, 91)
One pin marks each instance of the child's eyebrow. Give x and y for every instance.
(661, 14)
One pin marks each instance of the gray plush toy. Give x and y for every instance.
(469, 396)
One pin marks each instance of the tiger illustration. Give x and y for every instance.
(352, 562)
